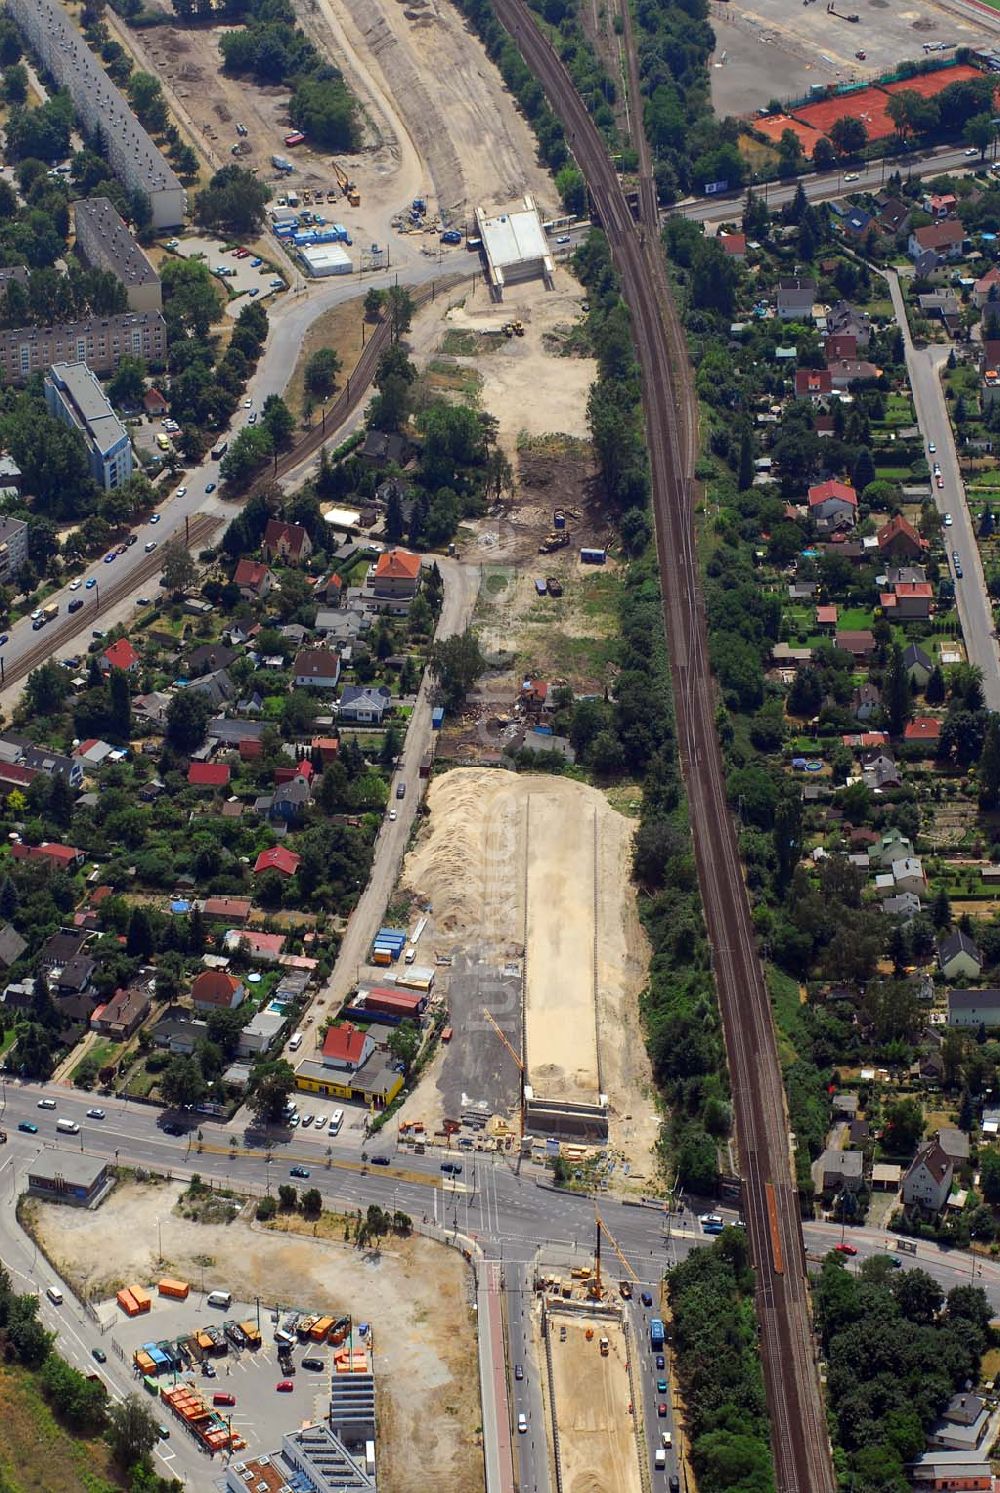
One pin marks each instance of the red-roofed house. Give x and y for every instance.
(832, 504)
(303, 769)
(987, 287)
(923, 728)
(120, 655)
(862, 741)
(266, 947)
(899, 540)
(940, 204)
(155, 403)
(14, 778)
(826, 617)
(277, 859)
(215, 990)
(734, 244)
(396, 574)
(285, 542)
(227, 909)
(329, 589)
(909, 601)
(327, 746)
(840, 345)
(534, 694)
(813, 383)
(346, 1047)
(208, 775)
(316, 668)
(939, 240)
(254, 579)
(251, 749)
(65, 857)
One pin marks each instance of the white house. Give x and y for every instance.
(927, 1182)
(959, 958)
(893, 846)
(316, 668)
(974, 1008)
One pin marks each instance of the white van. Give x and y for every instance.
(295, 1042)
(522, 1423)
(336, 1120)
(224, 1299)
(667, 1438)
(54, 1294)
(410, 955)
(67, 1127)
(659, 1461)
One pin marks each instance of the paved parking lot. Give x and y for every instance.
(261, 1415)
(244, 279)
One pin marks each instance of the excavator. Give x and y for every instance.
(347, 186)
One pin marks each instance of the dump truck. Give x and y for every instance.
(553, 585)
(318, 1332)
(282, 163)
(252, 1333)
(556, 539)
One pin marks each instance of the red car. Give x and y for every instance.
(284, 1386)
(845, 1249)
(223, 1399)
(661, 1409)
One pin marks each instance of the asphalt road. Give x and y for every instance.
(827, 185)
(974, 607)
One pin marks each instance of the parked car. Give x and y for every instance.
(91, 583)
(181, 492)
(284, 1386)
(845, 1249)
(154, 518)
(209, 487)
(75, 604)
(947, 520)
(932, 447)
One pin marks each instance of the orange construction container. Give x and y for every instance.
(141, 1297)
(128, 1303)
(320, 1329)
(176, 1288)
(144, 1363)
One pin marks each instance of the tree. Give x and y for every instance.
(278, 421)
(129, 382)
(187, 716)
(15, 84)
(848, 135)
(288, 1197)
(179, 569)
(183, 1084)
(321, 372)
(979, 131)
(133, 1430)
(404, 1044)
(78, 1401)
(271, 1082)
(989, 1175)
(324, 108)
(374, 301)
(457, 662)
(233, 202)
(46, 689)
(745, 469)
(934, 690)
(989, 765)
(897, 693)
(824, 156)
(904, 1126)
(864, 470)
(140, 942)
(312, 1202)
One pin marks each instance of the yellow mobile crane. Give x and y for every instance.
(347, 186)
(520, 1065)
(625, 1285)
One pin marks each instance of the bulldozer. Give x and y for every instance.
(557, 539)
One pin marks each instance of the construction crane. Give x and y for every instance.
(617, 1249)
(520, 1065)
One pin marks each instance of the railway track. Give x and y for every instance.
(798, 1429)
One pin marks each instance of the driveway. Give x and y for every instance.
(974, 608)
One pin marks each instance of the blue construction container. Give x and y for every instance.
(437, 717)
(391, 935)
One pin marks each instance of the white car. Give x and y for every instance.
(36, 614)
(181, 492)
(392, 814)
(972, 151)
(931, 447)
(320, 1121)
(75, 585)
(248, 404)
(947, 520)
(853, 176)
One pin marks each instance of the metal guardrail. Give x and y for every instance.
(638, 1420)
(556, 1458)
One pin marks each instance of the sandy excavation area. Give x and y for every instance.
(528, 385)
(470, 862)
(414, 1292)
(596, 1440)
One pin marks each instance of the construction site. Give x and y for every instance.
(528, 878)
(584, 1345)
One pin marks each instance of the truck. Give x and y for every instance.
(296, 137)
(282, 163)
(556, 539)
(605, 1347)
(219, 450)
(656, 1334)
(51, 612)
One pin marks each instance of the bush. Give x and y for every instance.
(266, 1209)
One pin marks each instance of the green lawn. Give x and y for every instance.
(786, 1007)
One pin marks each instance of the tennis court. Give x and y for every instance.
(775, 125)
(929, 85)
(866, 104)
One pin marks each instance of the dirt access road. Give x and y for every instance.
(414, 1292)
(470, 861)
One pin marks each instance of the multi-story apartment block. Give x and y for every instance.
(100, 106)
(13, 547)
(74, 396)
(104, 242)
(101, 342)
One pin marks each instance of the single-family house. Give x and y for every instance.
(208, 658)
(961, 1427)
(796, 297)
(894, 216)
(74, 977)
(954, 1143)
(859, 644)
(316, 668)
(866, 701)
(959, 957)
(813, 383)
(974, 1008)
(917, 664)
(150, 710)
(987, 287)
(345, 1047)
(826, 618)
(285, 541)
(923, 728)
(384, 448)
(908, 602)
(290, 800)
(943, 241)
(893, 845)
(254, 579)
(843, 318)
(364, 706)
(952, 1470)
(833, 504)
(905, 905)
(880, 772)
(215, 990)
(734, 245)
(908, 876)
(263, 948)
(259, 1033)
(328, 748)
(847, 371)
(53, 764)
(899, 540)
(49, 852)
(927, 1181)
(279, 859)
(208, 775)
(858, 223)
(329, 589)
(120, 655)
(122, 1014)
(93, 752)
(12, 945)
(217, 687)
(177, 1033)
(396, 575)
(155, 403)
(840, 1171)
(940, 204)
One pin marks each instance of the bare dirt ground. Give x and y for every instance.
(448, 98)
(339, 328)
(596, 1439)
(414, 1292)
(469, 862)
(527, 383)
